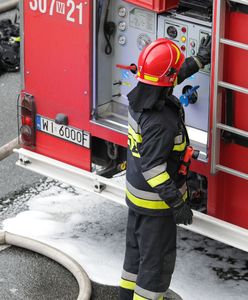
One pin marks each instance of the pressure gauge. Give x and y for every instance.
(122, 26)
(143, 41)
(122, 12)
(172, 32)
(122, 40)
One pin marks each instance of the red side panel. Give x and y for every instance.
(109, 135)
(57, 68)
(227, 193)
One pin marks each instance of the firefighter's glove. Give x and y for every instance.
(183, 214)
(204, 52)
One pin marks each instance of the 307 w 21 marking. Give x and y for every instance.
(73, 12)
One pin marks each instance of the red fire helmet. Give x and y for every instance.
(159, 63)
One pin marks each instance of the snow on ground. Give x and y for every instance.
(92, 231)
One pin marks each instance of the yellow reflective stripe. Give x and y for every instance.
(180, 147)
(135, 154)
(131, 141)
(138, 297)
(16, 39)
(176, 81)
(126, 284)
(178, 53)
(137, 137)
(134, 139)
(150, 204)
(157, 180)
(151, 78)
(185, 196)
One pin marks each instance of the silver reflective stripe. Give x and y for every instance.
(198, 62)
(155, 171)
(142, 194)
(129, 276)
(133, 123)
(148, 294)
(183, 189)
(178, 139)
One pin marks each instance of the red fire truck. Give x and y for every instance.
(77, 69)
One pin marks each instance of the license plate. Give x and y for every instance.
(68, 133)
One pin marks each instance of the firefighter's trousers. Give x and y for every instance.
(149, 258)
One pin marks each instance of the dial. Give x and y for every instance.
(122, 12)
(143, 41)
(172, 32)
(122, 26)
(122, 40)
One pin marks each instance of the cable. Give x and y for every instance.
(109, 30)
(8, 5)
(112, 150)
(99, 14)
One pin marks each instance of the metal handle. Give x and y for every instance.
(232, 171)
(130, 68)
(233, 87)
(232, 129)
(234, 44)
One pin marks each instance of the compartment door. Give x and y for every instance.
(57, 71)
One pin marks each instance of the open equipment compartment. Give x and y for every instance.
(132, 29)
(121, 31)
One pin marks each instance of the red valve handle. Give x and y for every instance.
(131, 67)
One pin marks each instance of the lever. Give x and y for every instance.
(189, 96)
(132, 67)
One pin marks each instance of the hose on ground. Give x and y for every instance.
(8, 5)
(56, 255)
(8, 148)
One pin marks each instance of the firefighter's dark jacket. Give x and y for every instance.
(157, 140)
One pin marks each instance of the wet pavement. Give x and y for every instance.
(28, 275)
(11, 177)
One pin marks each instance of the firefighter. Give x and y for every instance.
(156, 193)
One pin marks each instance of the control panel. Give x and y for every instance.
(187, 33)
(135, 28)
(130, 29)
(186, 36)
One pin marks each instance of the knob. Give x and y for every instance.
(122, 40)
(122, 12)
(122, 26)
